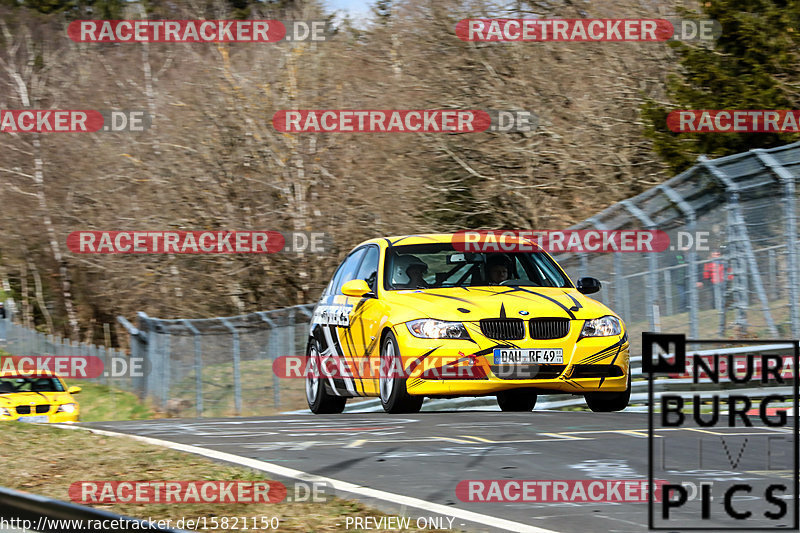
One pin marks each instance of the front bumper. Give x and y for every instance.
(53, 418)
(592, 364)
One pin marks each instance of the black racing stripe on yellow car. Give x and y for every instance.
(338, 382)
(416, 362)
(577, 306)
(574, 383)
(605, 352)
(449, 297)
(358, 382)
(614, 360)
(371, 346)
(596, 357)
(358, 315)
(520, 289)
(414, 382)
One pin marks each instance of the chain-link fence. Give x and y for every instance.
(220, 366)
(740, 280)
(111, 366)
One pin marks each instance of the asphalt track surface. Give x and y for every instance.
(426, 455)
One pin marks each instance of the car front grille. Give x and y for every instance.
(527, 371)
(549, 328)
(504, 329)
(26, 409)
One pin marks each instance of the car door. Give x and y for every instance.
(366, 316)
(331, 328)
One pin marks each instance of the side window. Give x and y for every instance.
(331, 288)
(348, 270)
(369, 268)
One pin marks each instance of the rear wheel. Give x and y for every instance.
(394, 395)
(607, 402)
(317, 396)
(516, 400)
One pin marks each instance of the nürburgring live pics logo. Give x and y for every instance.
(746, 459)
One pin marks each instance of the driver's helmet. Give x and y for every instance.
(401, 264)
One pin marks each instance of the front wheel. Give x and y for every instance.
(516, 400)
(394, 395)
(607, 402)
(317, 396)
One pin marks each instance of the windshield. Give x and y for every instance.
(9, 385)
(425, 266)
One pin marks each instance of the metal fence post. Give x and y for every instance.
(166, 358)
(668, 291)
(790, 230)
(743, 237)
(276, 388)
(237, 383)
(773, 274)
(691, 219)
(198, 369)
(652, 260)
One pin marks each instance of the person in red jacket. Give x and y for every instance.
(714, 272)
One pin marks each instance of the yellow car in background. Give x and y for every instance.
(405, 318)
(40, 397)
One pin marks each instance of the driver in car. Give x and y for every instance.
(497, 269)
(415, 268)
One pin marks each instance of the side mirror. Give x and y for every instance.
(588, 285)
(357, 288)
(74, 390)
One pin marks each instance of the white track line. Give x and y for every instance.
(343, 486)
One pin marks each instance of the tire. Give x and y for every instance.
(393, 393)
(320, 401)
(607, 402)
(516, 400)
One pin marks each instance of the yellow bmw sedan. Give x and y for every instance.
(404, 318)
(39, 397)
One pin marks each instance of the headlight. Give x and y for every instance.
(427, 328)
(4, 412)
(66, 408)
(606, 326)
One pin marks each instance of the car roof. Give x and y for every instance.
(428, 238)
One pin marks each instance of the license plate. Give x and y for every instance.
(41, 418)
(505, 356)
